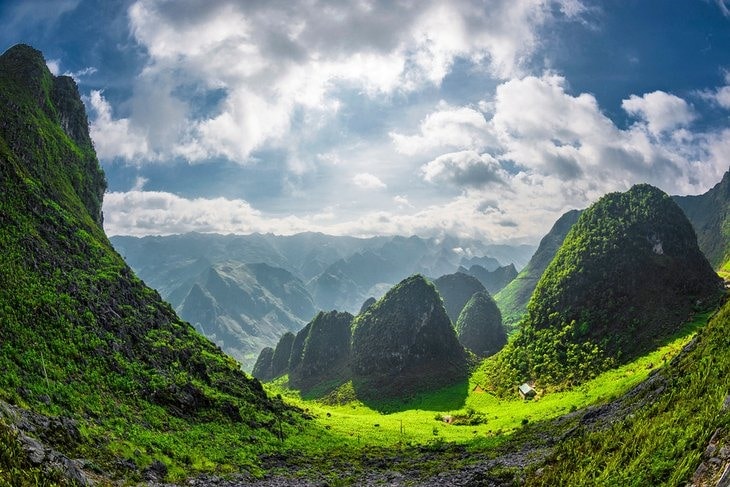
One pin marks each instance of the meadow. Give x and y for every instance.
(478, 417)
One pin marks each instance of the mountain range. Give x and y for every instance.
(245, 291)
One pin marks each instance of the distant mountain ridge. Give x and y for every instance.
(282, 281)
(709, 214)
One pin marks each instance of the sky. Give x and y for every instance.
(479, 119)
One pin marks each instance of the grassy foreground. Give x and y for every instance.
(478, 418)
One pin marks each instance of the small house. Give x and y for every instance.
(526, 391)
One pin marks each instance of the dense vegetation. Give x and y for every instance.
(81, 337)
(628, 274)
(326, 352)
(677, 421)
(405, 342)
(513, 298)
(96, 366)
(479, 327)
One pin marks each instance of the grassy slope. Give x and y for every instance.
(419, 416)
(82, 337)
(662, 442)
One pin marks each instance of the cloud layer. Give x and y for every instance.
(369, 110)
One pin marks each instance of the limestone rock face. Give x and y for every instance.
(326, 350)
(262, 368)
(405, 341)
(479, 326)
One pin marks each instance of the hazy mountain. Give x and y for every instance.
(456, 290)
(326, 352)
(513, 298)
(261, 277)
(243, 307)
(494, 280)
(709, 214)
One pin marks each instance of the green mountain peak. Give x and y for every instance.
(628, 274)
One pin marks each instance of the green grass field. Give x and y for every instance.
(418, 420)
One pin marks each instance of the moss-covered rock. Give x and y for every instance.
(405, 342)
(263, 369)
(280, 359)
(80, 335)
(479, 327)
(628, 274)
(326, 350)
(513, 298)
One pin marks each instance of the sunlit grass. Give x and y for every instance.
(417, 422)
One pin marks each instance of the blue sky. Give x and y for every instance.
(483, 119)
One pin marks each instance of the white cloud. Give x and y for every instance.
(551, 151)
(139, 183)
(722, 96)
(273, 59)
(366, 180)
(661, 111)
(465, 168)
(54, 66)
(114, 138)
(455, 127)
(402, 201)
(162, 213)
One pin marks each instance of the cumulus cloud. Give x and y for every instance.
(456, 127)
(551, 151)
(366, 180)
(54, 66)
(661, 111)
(161, 213)
(114, 137)
(721, 95)
(465, 169)
(272, 60)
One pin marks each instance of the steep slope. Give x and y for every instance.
(456, 290)
(479, 327)
(282, 352)
(326, 352)
(709, 214)
(82, 340)
(263, 368)
(405, 342)
(512, 300)
(673, 429)
(243, 307)
(494, 280)
(628, 274)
